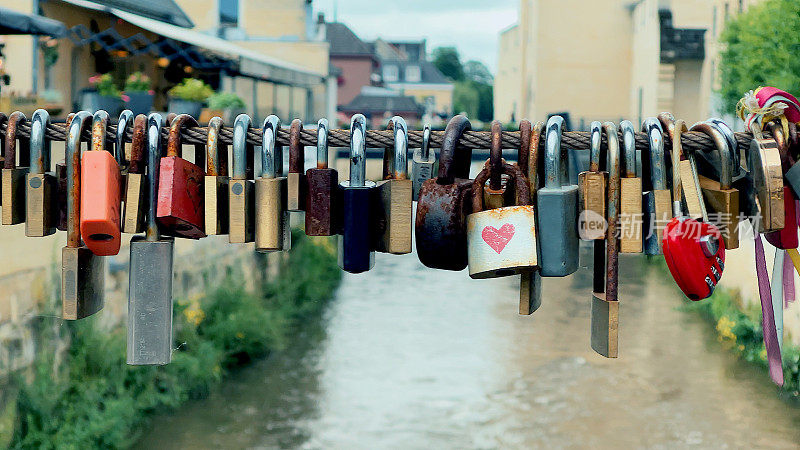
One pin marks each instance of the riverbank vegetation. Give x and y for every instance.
(87, 397)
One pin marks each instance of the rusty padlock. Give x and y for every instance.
(100, 193)
(180, 186)
(658, 199)
(242, 209)
(630, 194)
(444, 203)
(40, 198)
(13, 174)
(272, 217)
(296, 186)
(215, 183)
(530, 283)
(321, 200)
(495, 193)
(134, 197)
(394, 197)
(82, 273)
(592, 192)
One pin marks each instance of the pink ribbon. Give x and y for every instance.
(774, 360)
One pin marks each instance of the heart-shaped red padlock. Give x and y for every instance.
(695, 255)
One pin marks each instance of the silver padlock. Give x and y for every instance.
(422, 162)
(658, 200)
(558, 233)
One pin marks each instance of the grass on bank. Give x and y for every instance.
(92, 399)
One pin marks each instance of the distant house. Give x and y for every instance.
(357, 64)
(379, 105)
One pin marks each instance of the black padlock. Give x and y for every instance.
(356, 244)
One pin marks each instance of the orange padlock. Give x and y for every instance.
(100, 193)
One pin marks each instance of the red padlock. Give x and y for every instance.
(180, 186)
(100, 193)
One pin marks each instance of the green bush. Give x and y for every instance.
(94, 400)
(224, 100)
(191, 89)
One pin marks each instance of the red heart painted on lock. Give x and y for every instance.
(498, 239)
(695, 255)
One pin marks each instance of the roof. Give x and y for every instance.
(382, 103)
(429, 74)
(163, 10)
(13, 22)
(344, 42)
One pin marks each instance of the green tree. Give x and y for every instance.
(466, 99)
(477, 71)
(446, 59)
(761, 48)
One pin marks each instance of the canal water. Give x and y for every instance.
(408, 357)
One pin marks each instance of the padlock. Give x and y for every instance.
(720, 198)
(764, 162)
(150, 280)
(694, 251)
(525, 132)
(271, 216)
(494, 194)
(733, 145)
(123, 122)
(82, 273)
(13, 174)
(100, 193)
(630, 194)
(786, 237)
(444, 203)
(133, 213)
(394, 199)
(605, 297)
(657, 200)
(61, 183)
(558, 232)
(688, 169)
(502, 242)
(3, 120)
(321, 201)
(215, 182)
(530, 283)
(242, 192)
(40, 184)
(296, 185)
(422, 162)
(358, 197)
(592, 192)
(180, 186)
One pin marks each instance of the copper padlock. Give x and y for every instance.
(13, 174)
(296, 179)
(321, 200)
(134, 197)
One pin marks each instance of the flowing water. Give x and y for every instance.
(408, 357)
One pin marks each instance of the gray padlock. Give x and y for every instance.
(150, 282)
(558, 232)
(657, 201)
(422, 162)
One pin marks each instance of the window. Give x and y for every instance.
(390, 73)
(228, 13)
(413, 74)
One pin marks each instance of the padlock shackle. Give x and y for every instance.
(776, 129)
(216, 158)
(629, 147)
(678, 128)
(523, 155)
(596, 145)
(16, 119)
(80, 122)
(655, 140)
(3, 119)
(99, 128)
(535, 165)
(154, 150)
(722, 149)
(40, 144)
(175, 140)
(555, 157)
(496, 157)
(358, 154)
(452, 166)
(522, 193)
(614, 206)
(297, 151)
(242, 150)
(730, 137)
(425, 150)
(395, 160)
(125, 119)
(322, 143)
(271, 152)
(138, 145)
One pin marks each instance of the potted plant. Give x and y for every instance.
(188, 97)
(138, 95)
(225, 104)
(102, 94)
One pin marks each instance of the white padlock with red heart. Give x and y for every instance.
(502, 242)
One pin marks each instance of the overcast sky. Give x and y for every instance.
(470, 25)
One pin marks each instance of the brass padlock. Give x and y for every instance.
(530, 283)
(82, 273)
(764, 162)
(605, 300)
(393, 212)
(134, 198)
(40, 184)
(658, 199)
(296, 179)
(272, 217)
(13, 174)
(687, 169)
(630, 194)
(494, 195)
(592, 192)
(720, 197)
(215, 186)
(241, 209)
